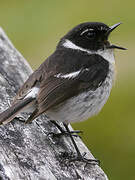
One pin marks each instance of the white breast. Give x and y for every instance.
(84, 105)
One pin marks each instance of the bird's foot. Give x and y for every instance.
(65, 133)
(79, 157)
(82, 158)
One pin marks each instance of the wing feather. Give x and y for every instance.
(56, 90)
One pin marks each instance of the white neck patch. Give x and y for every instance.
(107, 54)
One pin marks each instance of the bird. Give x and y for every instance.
(73, 83)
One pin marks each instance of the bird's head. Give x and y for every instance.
(92, 36)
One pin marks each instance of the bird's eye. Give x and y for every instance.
(90, 34)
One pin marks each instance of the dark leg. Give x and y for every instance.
(62, 131)
(58, 126)
(79, 156)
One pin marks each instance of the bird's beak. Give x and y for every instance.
(112, 46)
(111, 28)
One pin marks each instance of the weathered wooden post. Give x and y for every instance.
(26, 152)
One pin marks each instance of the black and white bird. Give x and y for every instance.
(72, 84)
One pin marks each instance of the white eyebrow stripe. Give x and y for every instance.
(68, 76)
(107, 54)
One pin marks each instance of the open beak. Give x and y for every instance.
(112, 46)
(108, 33)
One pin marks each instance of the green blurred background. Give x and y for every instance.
(35, 27)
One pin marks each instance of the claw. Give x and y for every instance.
(78, 157)
(64, 133)
(85, 160)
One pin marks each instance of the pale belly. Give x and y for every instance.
(85, 105)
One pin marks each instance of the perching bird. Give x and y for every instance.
(72, 84)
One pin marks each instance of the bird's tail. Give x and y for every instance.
(12, 111)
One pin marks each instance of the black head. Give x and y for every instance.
(91, 35)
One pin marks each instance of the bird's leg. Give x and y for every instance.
(63, 132)
(79, 156)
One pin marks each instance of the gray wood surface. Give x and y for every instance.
(26, 151)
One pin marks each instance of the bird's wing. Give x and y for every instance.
(59, 87)
(33, 80)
